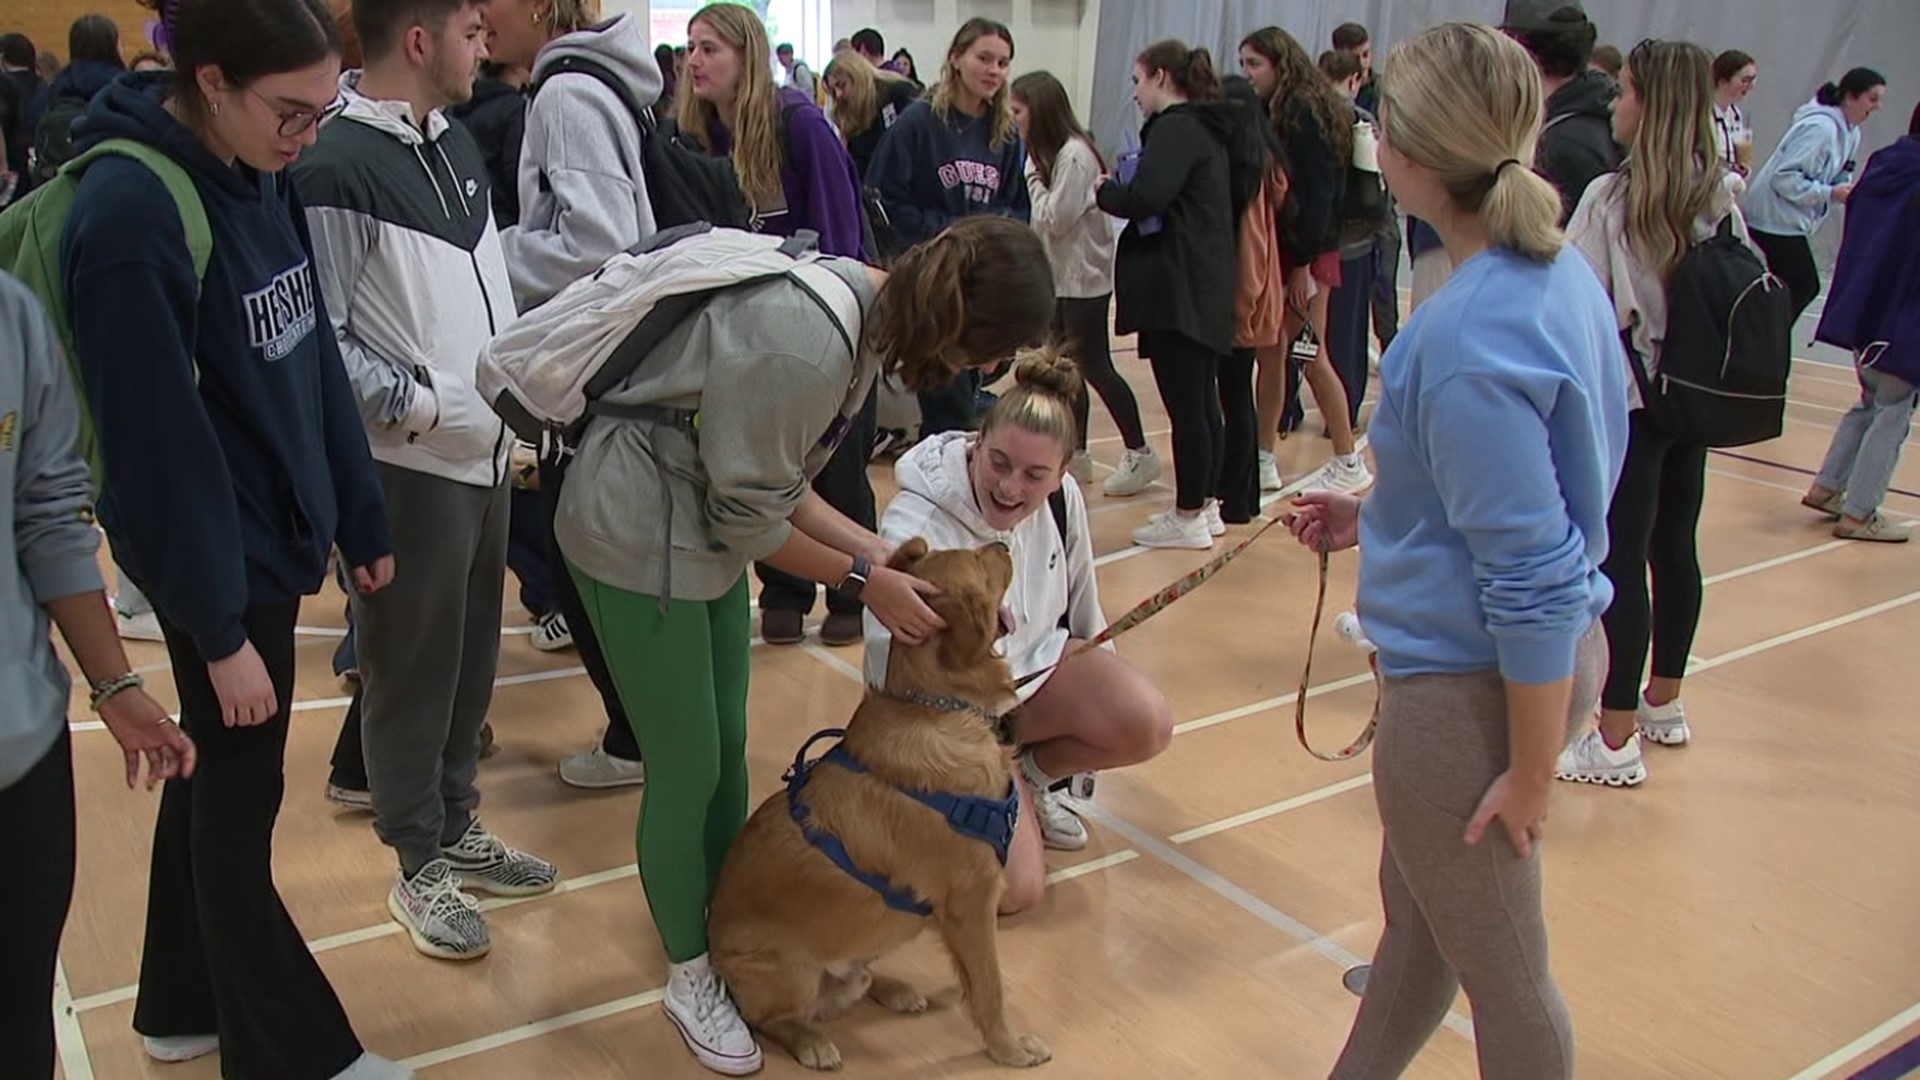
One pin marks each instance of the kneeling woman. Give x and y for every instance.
(661, 515)
(1095, 711)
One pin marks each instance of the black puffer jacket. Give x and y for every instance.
(1577, 144)
(496, 117)
(1317, 181)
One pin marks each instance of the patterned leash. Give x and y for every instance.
(1162, 600)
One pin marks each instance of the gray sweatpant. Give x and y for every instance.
(1459, 917)
(429, 645)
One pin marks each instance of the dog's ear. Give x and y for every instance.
(908, 555)
(973, 622)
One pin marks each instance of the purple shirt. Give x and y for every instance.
(817, 177)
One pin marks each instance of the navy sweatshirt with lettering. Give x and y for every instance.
(932, 172)
(233, 448)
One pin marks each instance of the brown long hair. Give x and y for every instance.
(1190, 69)
(978, 292)
(756, 145)
(1050, 122)
(1300, 85)
(1673, 170)
(944, 95)
(867, 89)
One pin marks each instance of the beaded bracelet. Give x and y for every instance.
(119, 684)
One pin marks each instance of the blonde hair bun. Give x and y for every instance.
(1046, 371)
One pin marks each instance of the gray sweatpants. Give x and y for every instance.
(1459, 917)
(429, 645)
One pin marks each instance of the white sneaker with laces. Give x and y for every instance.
(1664, 724)
(1341, 477)
(178, 1048)
(1172, 530)
(699, 1007)
(553, 634)
(1216, 525)
(1270, 472)
(443, 922)
(1138, 470)
(1060, 827)
(597, 769)
(484, 864)
(1591, 761)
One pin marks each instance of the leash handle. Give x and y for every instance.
(1365, 739)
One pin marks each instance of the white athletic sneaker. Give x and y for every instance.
(1138, 469)
(484, 864)
(553, 634)
(597, 769)
(1081, 467)
(1664, 724)
(1347, 625)
(1170, 530)
(1591, 761)
(1270, 472)
(1345, 478)
(698, 1005)
(1216, 525)
(176, 1049)
(375, 1067)
(443, 922)
(1060, 828)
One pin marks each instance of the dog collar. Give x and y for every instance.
(944, 703)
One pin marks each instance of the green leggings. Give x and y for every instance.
(682, 677)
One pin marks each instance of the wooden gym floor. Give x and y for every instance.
(1748, 913)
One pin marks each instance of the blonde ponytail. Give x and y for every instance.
(1521, 212)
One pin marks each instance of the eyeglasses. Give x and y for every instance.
(294, 122)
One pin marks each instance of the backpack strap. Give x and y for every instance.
(1057, 502)
(580, 65)
(186, 197)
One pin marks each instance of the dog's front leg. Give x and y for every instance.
(968, 926)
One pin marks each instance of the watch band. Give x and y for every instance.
(856, 579)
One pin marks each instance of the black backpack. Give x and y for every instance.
(53, 139)
(877, 233)
(684, 184)
(1728, 349)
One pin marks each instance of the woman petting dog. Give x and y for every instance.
(1093, 711)
(775, 383)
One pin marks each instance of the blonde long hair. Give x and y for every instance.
(756, 143)
(1673, 170)
(1464, 101)
(867, 87)
(945, 96)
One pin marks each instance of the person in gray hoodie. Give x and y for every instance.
(50, 572)
(700, 463)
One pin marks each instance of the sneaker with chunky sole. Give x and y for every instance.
(1344, 478)
(1663, 724)
(1216, 525)
(1137, 471)
(700, 1008)
(553, 634)
(444, 922)
(1060, 827)
(1270, 472)
(596, 769)
(1591, 761)
(1171, 530)
(484, 864)
(179, 1048)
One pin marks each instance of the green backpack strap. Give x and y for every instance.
(186, 197)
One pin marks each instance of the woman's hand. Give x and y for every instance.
(1842, 192)
(245, 691)
(895, 599)
(1323, 518)
(143, 729)
(1520, 804)
(374, 576)
(1299, 289)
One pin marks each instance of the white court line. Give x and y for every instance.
(1271, 703)
(1782, 560)
(1845, 1055)
(1795, 491)
(337, 632)
(74, 1059)
(1803, 633)
(1273, 809)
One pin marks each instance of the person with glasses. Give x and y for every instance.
(233, 461)
(1734, 73)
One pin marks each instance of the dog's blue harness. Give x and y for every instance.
(990, 821)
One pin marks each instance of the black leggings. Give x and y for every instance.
(1790, 258)
(1080, 325)
(1238, 486)
(1653, 524)
(1187, 373)
(37, 812)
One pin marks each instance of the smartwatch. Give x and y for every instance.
(856, 579)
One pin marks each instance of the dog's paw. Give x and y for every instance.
(818, 1052)
(1021, 1052)
(895, 996)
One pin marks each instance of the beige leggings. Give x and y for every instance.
(1459, 917)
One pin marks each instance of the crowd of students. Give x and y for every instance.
(285, 276)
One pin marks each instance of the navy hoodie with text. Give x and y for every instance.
(931, 172)
(233, 449)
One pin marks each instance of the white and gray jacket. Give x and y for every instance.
(1078, 236)
(414, 279)
(48, 524)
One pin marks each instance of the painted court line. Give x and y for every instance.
(74, 1059)
(1271, 810)
(1783, 560)
(1272, 703)
(1803, 633)
(1833, 1062)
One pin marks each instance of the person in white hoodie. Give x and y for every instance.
(1093, 711)
(410, 267)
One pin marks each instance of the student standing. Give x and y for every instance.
(1480, 581)
(1734, 73)
(234, 461)
(867, 102)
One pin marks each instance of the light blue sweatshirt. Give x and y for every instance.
(1792, 193)
(1500, 432)
(48, 525)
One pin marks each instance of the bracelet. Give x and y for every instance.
(119, 684)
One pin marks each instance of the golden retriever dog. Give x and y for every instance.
(793, 933)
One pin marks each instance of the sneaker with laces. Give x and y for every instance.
(700, 1008)
(1172, 530)
(173, 1050)
(1342, 477)
(1591, 761)
(1137, 471)
(1876, 528)
(1216, 525)
(1060, 827)
(1270, 472)
(484, 864)
(1663, 724)
(553, 634)
(444, 922)
(1081, 467)
(596, 769)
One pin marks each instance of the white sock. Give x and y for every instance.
(1040, 781)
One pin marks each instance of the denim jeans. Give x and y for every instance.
(1866, 445)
